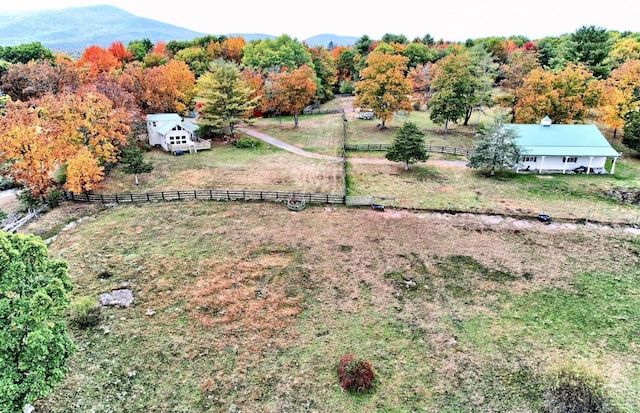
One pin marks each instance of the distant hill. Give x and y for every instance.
(330, 39)
(71, 30)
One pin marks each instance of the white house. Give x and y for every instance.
(563, 148)
(174, 134)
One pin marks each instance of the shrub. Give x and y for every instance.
(3, 215)
(355, 374)
(247, 143)
(571, 389)
(346, 87)
(84, 312)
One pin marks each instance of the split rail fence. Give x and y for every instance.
(384, 146)
(207, 195)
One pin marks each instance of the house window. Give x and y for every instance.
(569, 159)
(154, 124)
(529, 159)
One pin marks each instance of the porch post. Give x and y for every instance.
(613, 165)
(541, 165)
(589, 168)
(564, 169)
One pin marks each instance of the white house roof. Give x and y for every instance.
(163, 117)
(562, 140)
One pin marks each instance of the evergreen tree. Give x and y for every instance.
(34, 344)
(631, 129)
(495, 148)
(133, 160)
(224, 97)
(408, 146)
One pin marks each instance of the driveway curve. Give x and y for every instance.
(294, 149)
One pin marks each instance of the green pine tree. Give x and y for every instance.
(408, 146)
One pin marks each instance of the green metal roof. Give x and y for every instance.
(562, 140)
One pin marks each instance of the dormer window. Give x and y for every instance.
(546, 121)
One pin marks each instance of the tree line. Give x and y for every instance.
(65, 122)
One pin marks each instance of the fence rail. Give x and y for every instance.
(384, 146)
(208, 195)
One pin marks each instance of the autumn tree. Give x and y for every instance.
(408, 146)
(86, 119)
(118, 51)
(557, 94)
(34, 344)
(295, 90)
(223, 97)
(384, 87)
(625, 49)
(513, 73)
(167, 88)
(420, 78)
(83, 172)
(31, 80)
(95, 60)
(621, 94)
(496, 148)
(232, 48)
(27, 147)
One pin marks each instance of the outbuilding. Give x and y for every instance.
(563, 149)
(174, 134)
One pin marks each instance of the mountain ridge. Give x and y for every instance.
(70, 30)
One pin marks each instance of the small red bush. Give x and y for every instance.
(355, 374)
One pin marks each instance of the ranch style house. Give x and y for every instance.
(174, 133)
(562, 148)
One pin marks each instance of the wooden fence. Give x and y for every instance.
(385, 146)
(207, 195)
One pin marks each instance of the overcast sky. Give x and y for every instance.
(448, 20)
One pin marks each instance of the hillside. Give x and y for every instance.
(71, 30)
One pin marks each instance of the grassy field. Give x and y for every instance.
(248, 307)
(437, 185)
(251, 305)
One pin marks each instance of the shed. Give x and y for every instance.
(563, 148)
(173, 133)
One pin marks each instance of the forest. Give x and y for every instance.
(65, 121)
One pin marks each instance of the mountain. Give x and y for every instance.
(327, 40)
(72, 29)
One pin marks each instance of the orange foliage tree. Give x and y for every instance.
(384, 87)
(295, 90)
(120, 52)
(232, 48)
(167, 88)
(559, 95)
(96, 60)
(27, 147)
(621, 94)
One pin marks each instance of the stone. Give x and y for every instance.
(120, 298)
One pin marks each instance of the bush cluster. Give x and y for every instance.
(355, 374)
(247, 143)
(571, 389)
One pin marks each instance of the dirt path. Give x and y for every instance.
(294, 149)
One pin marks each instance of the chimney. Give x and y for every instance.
(546, 121)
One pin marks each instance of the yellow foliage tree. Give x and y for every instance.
(384, 88)
(83, 172)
